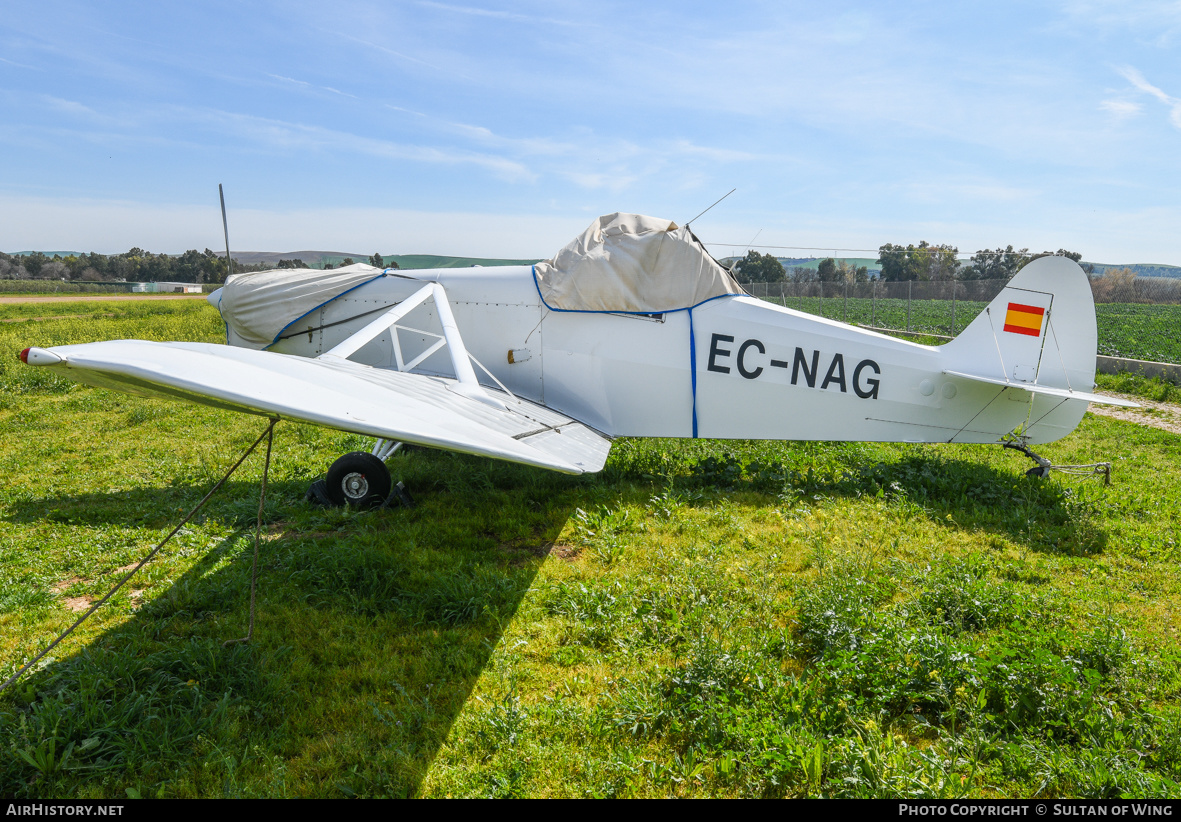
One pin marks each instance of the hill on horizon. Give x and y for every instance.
(318, 259)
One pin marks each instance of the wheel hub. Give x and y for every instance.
(355, 485)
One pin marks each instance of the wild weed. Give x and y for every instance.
(835, 611)
(960, 595)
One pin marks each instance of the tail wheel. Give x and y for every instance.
(358, 479)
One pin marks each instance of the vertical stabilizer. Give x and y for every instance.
(1039, 330)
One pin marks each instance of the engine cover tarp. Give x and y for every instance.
(632, 263)
(258, 305)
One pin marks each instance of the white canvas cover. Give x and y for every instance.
(633, 263)
(258, 305)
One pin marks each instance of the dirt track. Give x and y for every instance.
(1163, 415)
(88, 297)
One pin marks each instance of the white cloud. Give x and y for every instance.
(949, 191)
(1137, 79)
(296, 136)
(1157, 20)
(719, 155)
(1121, 109)
(400, 55)
(69, 107)
(500, 15)
(614, 182)
(18, 65)
(307, 85)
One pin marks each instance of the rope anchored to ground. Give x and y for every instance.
(268, 435)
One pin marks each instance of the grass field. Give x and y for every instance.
(1141, 332)
(56, 286)
(701, 618)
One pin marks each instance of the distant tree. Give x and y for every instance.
(33, 262)
(157, 267)
(803, 274)
(100, 263)
(1000, 264)
(213, 267)
(759, 268)
(1089, 268)
(892, 259)
(187, 267)
(296, 263)
(11, 268)
(347, 261)
(849, 273)
(1116, 285)
(54, 270)
(921, 262)
(328, 266)
(942, 263)
(826, 271)
(377, 261)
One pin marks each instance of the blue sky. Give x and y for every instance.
(503, 129)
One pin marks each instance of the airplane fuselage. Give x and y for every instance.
(733, 367)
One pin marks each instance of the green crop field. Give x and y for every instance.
(700, 619)
(1141, 332)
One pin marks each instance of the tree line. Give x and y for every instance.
(900, 263)
(137, 265)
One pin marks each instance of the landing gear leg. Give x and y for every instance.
(383, 450)
(1042, 469)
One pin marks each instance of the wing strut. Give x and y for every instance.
(466, 383)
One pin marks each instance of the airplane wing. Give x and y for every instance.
(337, 393)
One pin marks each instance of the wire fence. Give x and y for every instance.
(1137, 317)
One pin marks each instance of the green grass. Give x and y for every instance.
(1140, 386)
(15, 287)
(193, 320)
(701, 618)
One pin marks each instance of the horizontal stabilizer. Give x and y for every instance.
(336, 393)
(1034, 388)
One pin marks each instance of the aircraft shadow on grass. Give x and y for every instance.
(1043, 515)
(369, 640)
(366, 648)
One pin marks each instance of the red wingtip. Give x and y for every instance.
(24, 355)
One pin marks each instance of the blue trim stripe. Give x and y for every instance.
(693, 370)
(321, 305)
(692, 338)
(637, 313)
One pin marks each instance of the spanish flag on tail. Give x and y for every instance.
(1024, 319)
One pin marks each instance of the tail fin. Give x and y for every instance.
(1038, 332)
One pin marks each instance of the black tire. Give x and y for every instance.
(359, 480)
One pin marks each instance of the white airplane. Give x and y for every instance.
(632, 329)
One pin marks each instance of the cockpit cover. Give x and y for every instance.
(258, 305)
(632, 263)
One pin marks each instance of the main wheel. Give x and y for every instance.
(358, 479)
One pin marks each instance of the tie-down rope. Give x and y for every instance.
(269, 435)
